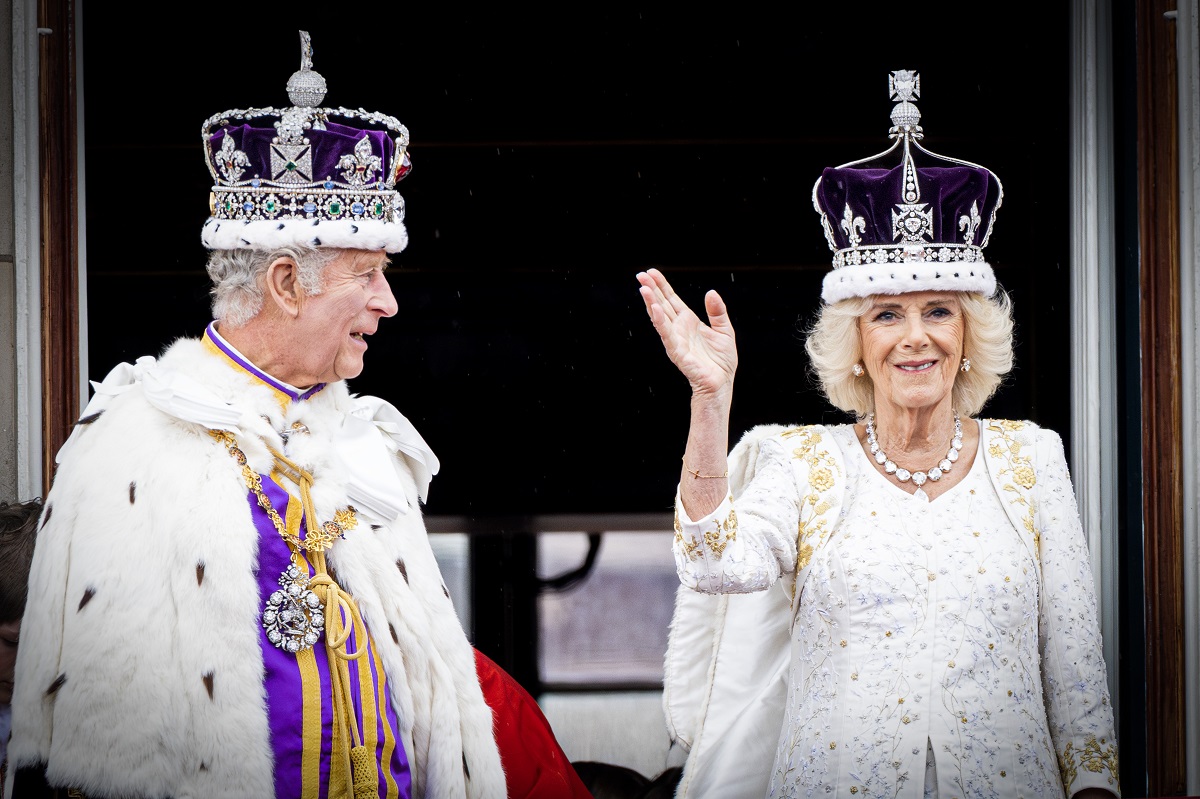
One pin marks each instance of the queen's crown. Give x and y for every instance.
(907, 219)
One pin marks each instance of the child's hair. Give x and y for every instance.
(18, 529)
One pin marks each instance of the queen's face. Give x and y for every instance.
(912, 347)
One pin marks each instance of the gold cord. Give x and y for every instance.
(318, 538)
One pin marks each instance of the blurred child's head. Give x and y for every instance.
(18, 528)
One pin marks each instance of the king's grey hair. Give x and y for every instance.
(237, 278)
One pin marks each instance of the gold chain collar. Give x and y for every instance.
(319, 537)
(357, 766)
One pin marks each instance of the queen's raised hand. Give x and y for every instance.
(706, 354)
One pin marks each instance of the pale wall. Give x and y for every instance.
(8, 360)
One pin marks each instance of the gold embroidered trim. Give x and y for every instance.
(1007, 448)
(822, 478)
(691, 547)
(725, 531)
(716, 540)
(317, 539)
(1096, 756)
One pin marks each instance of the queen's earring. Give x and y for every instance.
(858, 370)
(966, 365)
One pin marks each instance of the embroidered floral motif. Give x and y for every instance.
(804, 556)
(713, 541)
(804, 551)
(1097, 756)
(725, 531)
(690, 547)
(1024, 476)
(1019, 468)
(821, 479)
(813, 527)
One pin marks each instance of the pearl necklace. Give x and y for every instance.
(904, 475)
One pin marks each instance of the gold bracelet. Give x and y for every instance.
(696, 472)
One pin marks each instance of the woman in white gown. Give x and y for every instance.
(943, 628)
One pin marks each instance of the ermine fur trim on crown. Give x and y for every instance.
(365, 234)
(865, 280)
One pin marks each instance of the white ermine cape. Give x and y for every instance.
(140, 670)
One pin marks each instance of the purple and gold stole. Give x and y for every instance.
(298, 686)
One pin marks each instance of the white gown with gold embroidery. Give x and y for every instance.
(928, 658)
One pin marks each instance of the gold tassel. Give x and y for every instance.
(359, 764)
(366, 781)
(353, 765)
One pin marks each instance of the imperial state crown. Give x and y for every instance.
(305, 180)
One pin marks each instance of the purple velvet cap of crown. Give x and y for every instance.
(328, 148)
(873, 193)
(335, 189)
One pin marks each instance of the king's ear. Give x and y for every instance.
(283, 286)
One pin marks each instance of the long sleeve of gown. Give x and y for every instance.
(1073, 673)
(746, 543)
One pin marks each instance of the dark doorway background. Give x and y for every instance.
(556, 154)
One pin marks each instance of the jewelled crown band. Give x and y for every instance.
(917, 225)
(306, 180)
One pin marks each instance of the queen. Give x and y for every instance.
(923, 571)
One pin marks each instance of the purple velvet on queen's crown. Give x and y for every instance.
(873, 194)
(328, 147)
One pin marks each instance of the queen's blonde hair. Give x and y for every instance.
(834, 346)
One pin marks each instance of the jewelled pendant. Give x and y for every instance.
(294, 616)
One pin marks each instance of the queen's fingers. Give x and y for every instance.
(654, 301)
(656, 291)
(671, 299)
